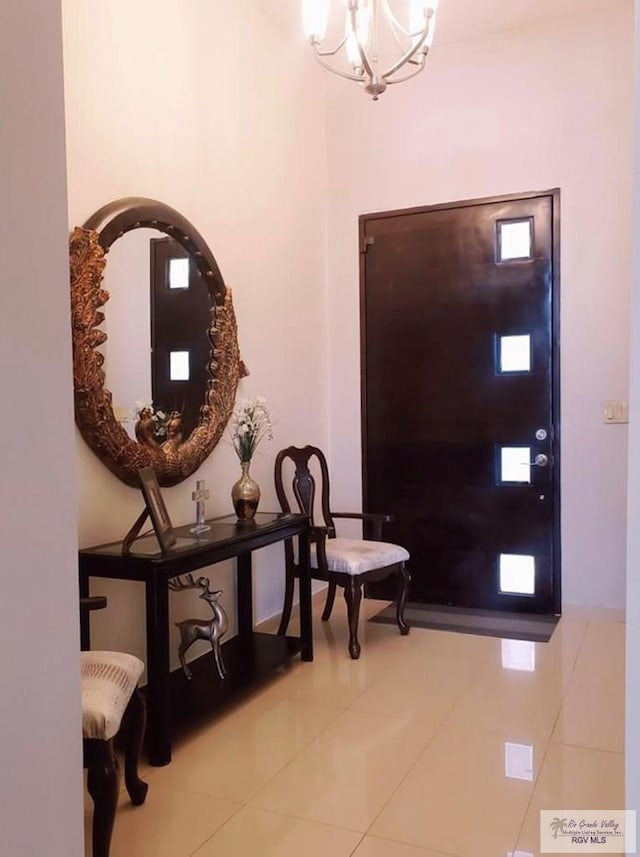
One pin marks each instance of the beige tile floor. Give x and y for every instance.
(431, 745)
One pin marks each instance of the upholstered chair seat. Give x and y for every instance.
(355, 556)
(111, 703)
(108, 680)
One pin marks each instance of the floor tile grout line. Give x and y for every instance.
(252, 808)
(588, 748)
(253, 793)
(307, 745)
(366, 831)
(550, 740)
(359, 843)
(215, 832)
(420, 847)
(257, 791)
(305, 819)
(295, 757)
(402, 780)
(296, 817)
(355, 711)
(531, 793)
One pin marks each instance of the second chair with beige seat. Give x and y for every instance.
(345, 562)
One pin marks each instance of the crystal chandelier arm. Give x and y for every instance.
(407, 56)
(328, 53)
(395, 24)
(320, 59)
(417, 70)
(397, 39)
(421, 35)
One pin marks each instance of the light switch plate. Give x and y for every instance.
(615, 411)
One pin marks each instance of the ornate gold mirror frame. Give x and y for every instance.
(173, 460)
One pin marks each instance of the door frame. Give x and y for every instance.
(363, 243)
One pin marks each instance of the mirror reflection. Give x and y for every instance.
(157, 348)
(168, 336)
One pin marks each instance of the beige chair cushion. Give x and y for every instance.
(355, 556)
(107, 679)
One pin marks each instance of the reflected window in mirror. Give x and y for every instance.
(178, 365)
(180, 321)
(179, 273)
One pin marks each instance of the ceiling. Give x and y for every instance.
(459, 20)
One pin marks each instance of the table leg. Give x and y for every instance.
(306, 621)
(158, 701)
(244, 577)
(85, 623)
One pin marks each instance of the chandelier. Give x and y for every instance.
(358, 53)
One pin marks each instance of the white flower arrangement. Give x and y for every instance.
(250, 425)
(159, 417)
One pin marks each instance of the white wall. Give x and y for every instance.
(127, 323)
(527, 109)
(205, 106)
(632, 746)
(40, 725)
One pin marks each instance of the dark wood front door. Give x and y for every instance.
(460, 393)
(180, 321)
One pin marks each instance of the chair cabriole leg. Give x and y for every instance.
(135, 717)
(102, 782)
(328, 607)
(404, 579)
(353, 597)
(288, 604)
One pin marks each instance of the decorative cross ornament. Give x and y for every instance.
(199, 496)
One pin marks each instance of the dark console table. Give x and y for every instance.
(248, 656)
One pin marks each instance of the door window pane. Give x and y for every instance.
(179, 366)
(515, 353)
(178, 273)
(514, 464)
(517, 574)
(514, 239)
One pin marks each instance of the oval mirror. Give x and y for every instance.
(156, 370)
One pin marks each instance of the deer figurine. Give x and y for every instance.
(201, 629)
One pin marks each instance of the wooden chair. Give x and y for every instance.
(111, 704)
(349, 563)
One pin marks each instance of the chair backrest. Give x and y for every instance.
(304, 484)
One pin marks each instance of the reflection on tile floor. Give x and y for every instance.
(431, 745)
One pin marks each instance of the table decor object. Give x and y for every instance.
(211, 630)
(250, 425)
(199, 496)
(156, 509)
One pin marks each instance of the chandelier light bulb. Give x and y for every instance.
(384, 41)
(358, 38)
(315, 17)
(418, 11)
